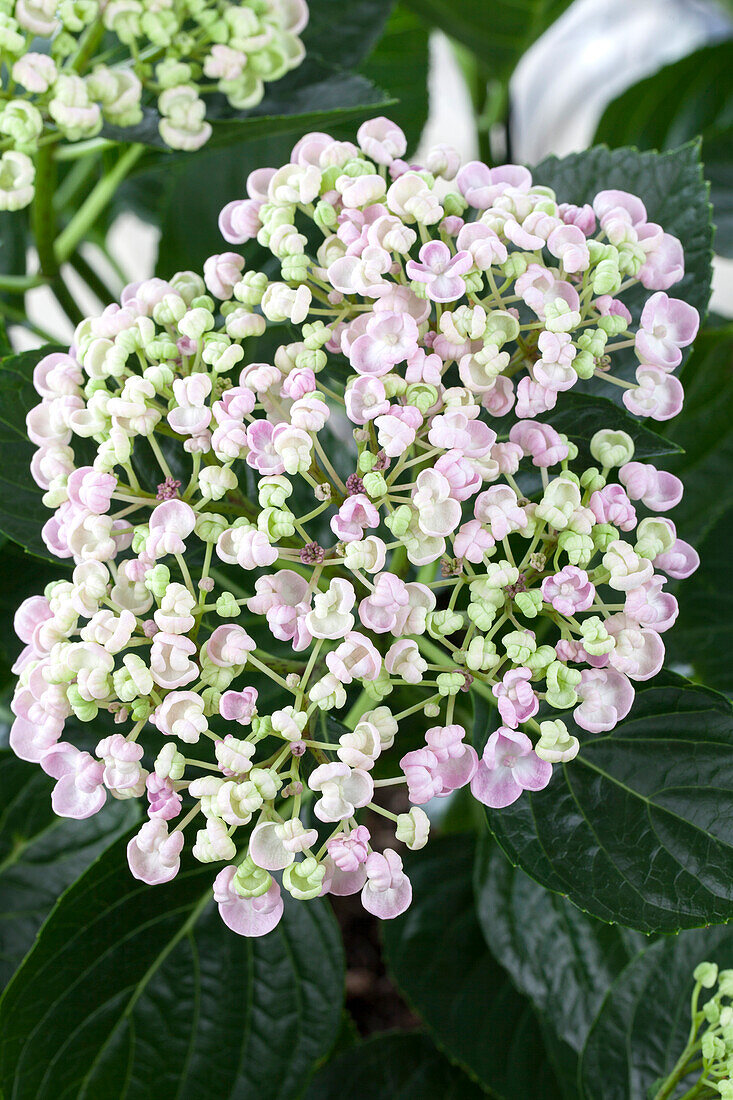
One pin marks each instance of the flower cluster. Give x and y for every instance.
(709, 1051)
(102, 58)
(266, 547)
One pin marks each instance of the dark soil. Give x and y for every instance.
(371, 998)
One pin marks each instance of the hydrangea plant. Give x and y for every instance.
(375, 499)
(75, 66)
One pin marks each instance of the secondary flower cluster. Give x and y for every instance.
(101, 58)
(709, 1052)
(348, 516)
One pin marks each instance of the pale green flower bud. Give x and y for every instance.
(250, 288)
(365, 462)
(17, 174)
(556, 745)
(251, 881)
(413, 829)
(612, 325)
(579, 548)
(450, 683)
(595, 639)
(441, 624)
(304, 879)
(325, 215)
(559, 317)
(529, 603)
(133, 679)
(72, 110)
(375, 485)
(315, 335)
(454, 204)
(561, 684)
(311, 359)
(85, 710)
(593, 341)
(539, 661)
(160, 27)
(119, 91)
(294, 269)
(584, 364)
(603, 534)
(501, 327)
(12, 42)
(515, 265)
(631, 258)
(422, 395)
(209, 525)
(559, 500)
(276, 522)
(380, 688)
(612, 448)
(607, 277)
(77, 14)
(654, 536)
(399, 521)
(170, 763)
(481, 654)
(22, 122)
(394, 385)
(189, 285)
(519, 646)
(123, 17)
(227, 606)
(183, 124)
(195, 323)
(157, 580)
(592, 479)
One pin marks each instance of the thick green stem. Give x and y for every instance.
(19, 284)
(43, 223)
(82, 148)
(95, 203)
(89, 43)
(679, 1072)
(43, 217)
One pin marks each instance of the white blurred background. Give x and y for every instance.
(589, 56)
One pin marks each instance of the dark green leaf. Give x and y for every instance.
(30, 576)
(638, 829)
(40, 853)
(399, 63)
(643, 1026)
(704, 430)
(703, 634)
(581, 415)
(22, 513)
(439, 959)
(345, 30)
(5, 348)
(687, 98)
(675, 194)
(498, 34)
(524, 923)
(134, 991)
(399, 1066)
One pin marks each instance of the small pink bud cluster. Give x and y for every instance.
(350, 517)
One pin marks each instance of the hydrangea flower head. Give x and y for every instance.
(378, 502)
(101, 62)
